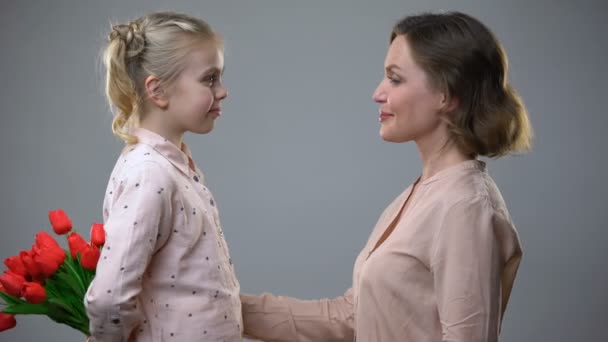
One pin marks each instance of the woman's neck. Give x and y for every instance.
(439, 154)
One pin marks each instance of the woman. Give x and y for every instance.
(442, 259)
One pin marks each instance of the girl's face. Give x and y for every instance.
(196, 95)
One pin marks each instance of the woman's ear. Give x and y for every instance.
(155, 92)
(449, 103)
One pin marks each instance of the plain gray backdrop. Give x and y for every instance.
(296, 163)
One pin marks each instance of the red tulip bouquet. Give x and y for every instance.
(49, 280)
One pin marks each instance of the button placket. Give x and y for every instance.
(209, 208)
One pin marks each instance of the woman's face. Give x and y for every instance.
(409, 106)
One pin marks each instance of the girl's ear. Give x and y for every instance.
(155, 92)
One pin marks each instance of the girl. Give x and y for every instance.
(165, 273)
(441, 262)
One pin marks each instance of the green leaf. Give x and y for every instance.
(8, 299)
(73, 266)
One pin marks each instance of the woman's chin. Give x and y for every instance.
(389, 136)
(386, 135)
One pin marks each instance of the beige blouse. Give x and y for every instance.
(444, 274)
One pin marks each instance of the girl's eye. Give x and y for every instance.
(211, 80)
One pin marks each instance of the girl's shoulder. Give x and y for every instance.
(142, 162)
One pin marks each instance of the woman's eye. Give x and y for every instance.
(394, 80)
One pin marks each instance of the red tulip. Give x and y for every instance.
(60, 221)
(77, 244)
(16, 265)
(34, 293)
(47, 261)
(57, 254)
(27, 257)
(89, 258)
(7, 321)
(44, 239)
(12, 283)
(47, 254)
(98, 235)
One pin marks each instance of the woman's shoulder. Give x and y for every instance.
(474, 188)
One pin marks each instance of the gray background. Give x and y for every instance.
(296, 162)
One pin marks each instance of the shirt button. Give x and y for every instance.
(195, 178)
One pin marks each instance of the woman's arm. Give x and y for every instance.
(282, 319)
(471, 251)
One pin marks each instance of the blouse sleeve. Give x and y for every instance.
(467, 264)
(276, 318)
(138, 216)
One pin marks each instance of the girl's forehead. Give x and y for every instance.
(206, 56)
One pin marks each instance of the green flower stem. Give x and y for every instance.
(73, 269)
